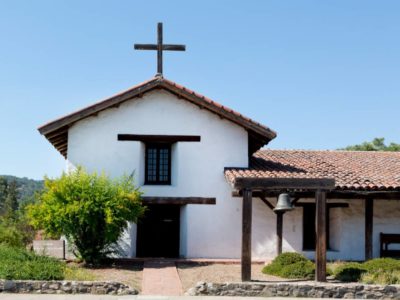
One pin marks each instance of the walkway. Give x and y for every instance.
(161, 278)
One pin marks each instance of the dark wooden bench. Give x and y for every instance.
(387, 239)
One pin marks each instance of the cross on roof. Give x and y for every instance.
(160, 47)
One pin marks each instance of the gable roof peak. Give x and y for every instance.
(56, 131)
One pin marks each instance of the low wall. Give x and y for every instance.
(296, 289)
(65, 287)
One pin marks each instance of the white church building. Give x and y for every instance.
(187, 151)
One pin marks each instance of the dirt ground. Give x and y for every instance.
(192, 273)
(129, 274)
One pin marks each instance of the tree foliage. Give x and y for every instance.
(90, 210)
(377, 144)
(15, 230)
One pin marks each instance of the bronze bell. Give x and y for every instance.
(284, 203)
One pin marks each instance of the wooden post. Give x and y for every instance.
(369, 225)
(246, 235)
(279, 225)
(320, 251)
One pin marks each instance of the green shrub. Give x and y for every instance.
(11, 236)
(290, 265)
(349, 272)
(300, 269)
(15, 233)
(382, 277)
(382, 264)
(20, 264)
(90, 210)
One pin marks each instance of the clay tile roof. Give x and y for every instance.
(352, 170)
(56, 131)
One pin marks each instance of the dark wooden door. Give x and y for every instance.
(158, 232)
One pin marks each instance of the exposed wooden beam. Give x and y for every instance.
(56, 133)
(284, 183)
(221, 111)
(146, 138)
(74, 117)
(320, 251)
(267, 203)
(178, 200)
(246, 235)
(369, 225)
(329, 204)
(335, 194)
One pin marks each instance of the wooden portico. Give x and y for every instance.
(337, 176)
(306, 188)
(261, 186)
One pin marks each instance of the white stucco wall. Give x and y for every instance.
(347, 237)
(197, 167)
(209, 231)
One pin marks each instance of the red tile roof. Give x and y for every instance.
(56, 131)
(352, 170)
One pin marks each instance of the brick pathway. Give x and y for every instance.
(161, 278)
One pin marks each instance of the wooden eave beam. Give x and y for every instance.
(56, 133)
(58, 139)
(335, 194)
(328, 204)
(192, 97)
(159, 138)
(284, 183)
(74, 117)
(178, 200)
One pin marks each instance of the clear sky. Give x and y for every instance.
(323, 74)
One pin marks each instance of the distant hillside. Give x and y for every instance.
(26, 187)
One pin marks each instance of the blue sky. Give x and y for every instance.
(323, 74)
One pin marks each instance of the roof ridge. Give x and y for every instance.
(330, 150)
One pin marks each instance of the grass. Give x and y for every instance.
(79, 274)
(20, 264)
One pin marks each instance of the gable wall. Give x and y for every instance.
(197, 167)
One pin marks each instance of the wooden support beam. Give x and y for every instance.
(369, 226)
(178, 200)
(147, 138)
(279, 227)
(328, 204)
(246, 235)
(320, 251)
(335, 194)
(267, 203)
(284, 183)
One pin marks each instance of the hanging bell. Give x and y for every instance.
(284, 203)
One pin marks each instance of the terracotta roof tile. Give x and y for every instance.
(352, 170)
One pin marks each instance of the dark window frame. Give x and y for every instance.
(158, 147)
(306, 220)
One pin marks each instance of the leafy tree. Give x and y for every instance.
(15, 230)
(11, 200)
(377, 144)
(90, 210)
(3, 193)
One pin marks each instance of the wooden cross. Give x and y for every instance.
(160, 47)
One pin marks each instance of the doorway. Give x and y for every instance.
(158, 232)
